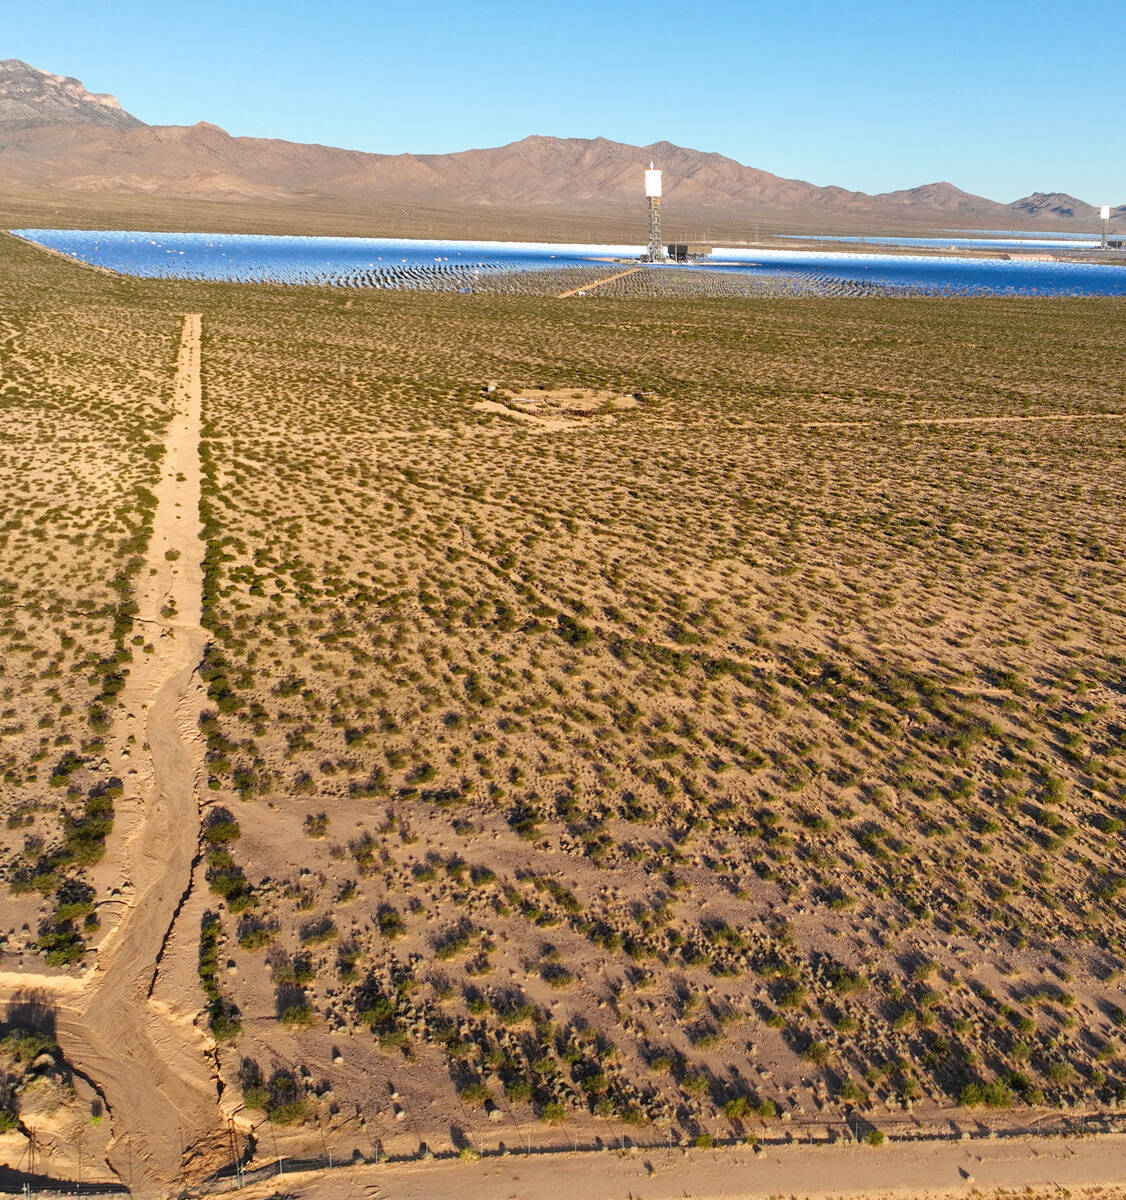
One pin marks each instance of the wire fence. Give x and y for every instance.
(776, 1133)
(806, 1131)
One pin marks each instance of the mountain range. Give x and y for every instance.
(58, 139)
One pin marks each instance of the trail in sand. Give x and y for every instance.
(151, 1070)
(586, 287)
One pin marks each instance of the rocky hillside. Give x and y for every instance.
(30, 97)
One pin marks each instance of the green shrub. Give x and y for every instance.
(997, 1094)
(473, 1094)
(220, 827)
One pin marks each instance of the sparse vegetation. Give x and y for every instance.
(570, 764)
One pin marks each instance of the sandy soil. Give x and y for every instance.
(678, 770)
(1028, 1166)
(605, 721)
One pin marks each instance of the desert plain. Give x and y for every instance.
(442, 728)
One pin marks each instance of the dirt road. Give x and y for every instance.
(151, 1068)
(930, 1170)
(586, 287)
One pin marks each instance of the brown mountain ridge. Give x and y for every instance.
(59, 140)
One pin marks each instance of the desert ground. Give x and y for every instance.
(934, 1172)
(453, 724)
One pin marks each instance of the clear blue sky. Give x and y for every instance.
(999, 98)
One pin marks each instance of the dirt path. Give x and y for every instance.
(150, 1067)
(586, 287)
(11, 354)
(1094, 416)
(1057, 1166)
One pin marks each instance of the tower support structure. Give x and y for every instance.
(656, 247)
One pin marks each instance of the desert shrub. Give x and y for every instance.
(223, 1019)
(26, 1045)
(312, 933)
(60, 943)
(292, 1006)
(794, 997)
(473, 1094)
(220, 827)
(453, 941)
(285, 1101)
(391, 923)
(74, 899)
(816, 1052)
(1060, 1072)
(254, 933)
(996, 1094)
(316, 825)
(225, 878)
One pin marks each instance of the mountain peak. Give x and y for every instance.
(30, 96)
(1053, 204)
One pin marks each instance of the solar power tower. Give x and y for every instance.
(656, 251)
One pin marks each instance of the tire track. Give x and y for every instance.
(586, 287)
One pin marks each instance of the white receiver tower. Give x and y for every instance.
(1104, 217)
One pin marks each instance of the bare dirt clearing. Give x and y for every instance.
(555, 409)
